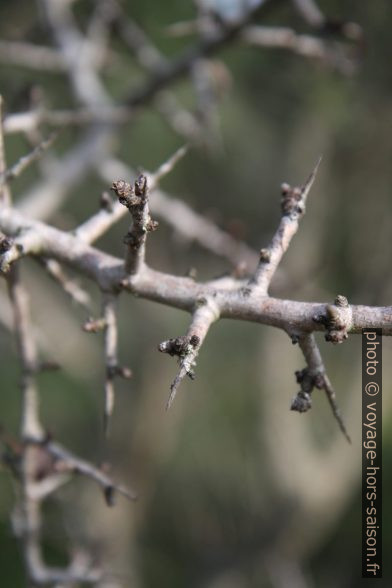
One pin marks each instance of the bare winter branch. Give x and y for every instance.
(70, 286)
(189, 224)
(111, 360)
(82, 43)
(135, 198)
(31, 56)
(314, 376)
(26, 160)
(331, 54)
(293, 208)
(187, 347)
(68, 462)
(234, 300)
(5, 196)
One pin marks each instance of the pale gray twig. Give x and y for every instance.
(79, 54)
(206, 47)
(101, 222)
(5, 195)
(109, 316)
(23, 122)
(151, 59)
(17, 168)
(17, 53)
(317, 376)
(330, 53)
(70, 286)
(71, 463)
(29, 420)
(187, 347)
(310, 12)
(293, 208)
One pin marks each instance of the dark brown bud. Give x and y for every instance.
(265, 255)
(194, 341)
(341, 301)
(302, 402)
(5, 244)
(106, 202)
(152, 225)
(141, 185)
(123, 191)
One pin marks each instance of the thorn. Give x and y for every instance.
(168, 165)
(309, 182)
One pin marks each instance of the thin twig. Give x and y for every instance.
(101, 222)
(135, 198)
(15, 170)
(111, 361)
(187, 347)
(72, 463)
(31, 56)
(29, 422)
(151, 59)
(23, 122)
(293, 208)
(5, 195)
(332, 54)
(206, 47)
(310, 12)
(316, 376)
(189, 224)
(70, 286)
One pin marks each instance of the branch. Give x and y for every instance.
(26, 160)
(309, 46)
(68, 462)
(312, 14)
(206, 47)
(187, 347)
(70, 287)
(109, 315)
(233, 299)
(27, 353)
(189, 224)
(135, 198)
(30, 423)
(112, 367)
(314, 376)
(11, 250)
(111, 212)
(293, 208)
(31, 56)
(42, 201)
(5, 195)
(31, 120)
(151, 59)
(79, 54)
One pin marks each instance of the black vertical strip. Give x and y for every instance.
(371, 453)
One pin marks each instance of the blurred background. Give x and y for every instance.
(235, 491)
